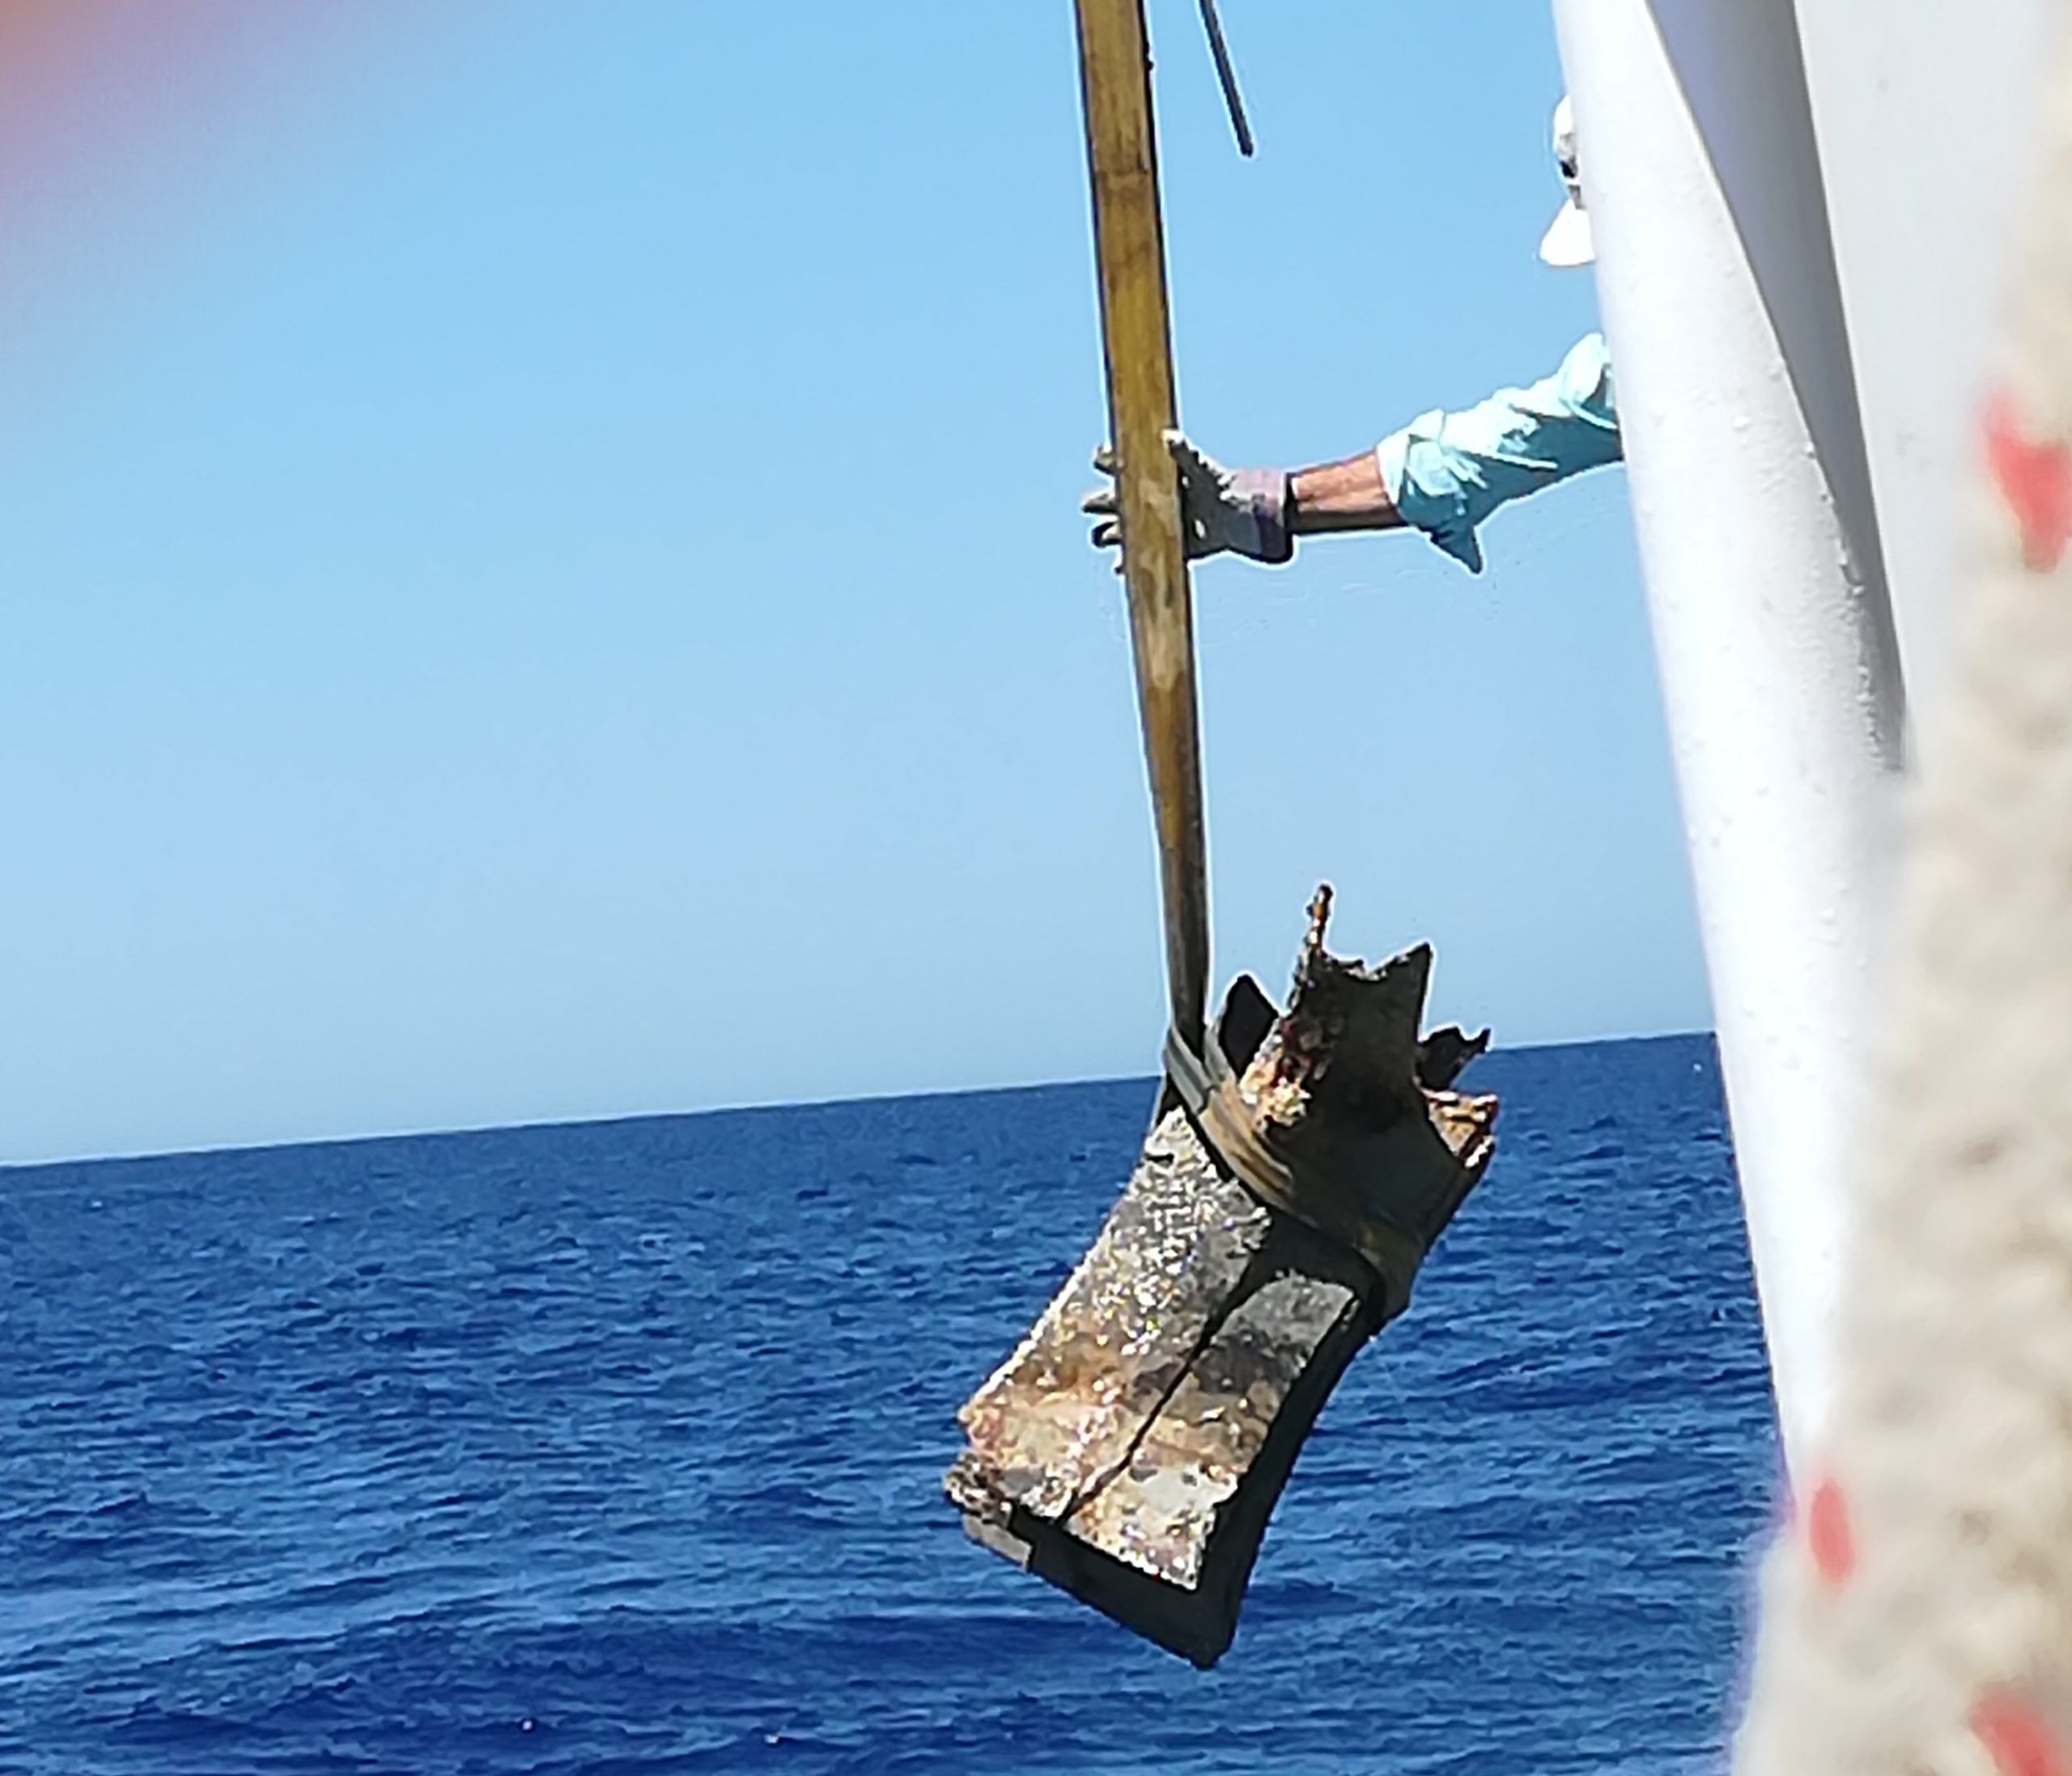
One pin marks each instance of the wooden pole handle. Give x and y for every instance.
(1115, 64)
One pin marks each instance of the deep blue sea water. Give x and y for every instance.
(616, 1448)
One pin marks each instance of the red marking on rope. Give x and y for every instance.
(2020, 1744)
(2035, 480)
(1827, 1534)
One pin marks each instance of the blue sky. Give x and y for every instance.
(543, 580)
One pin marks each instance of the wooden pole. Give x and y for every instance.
(1121, 155)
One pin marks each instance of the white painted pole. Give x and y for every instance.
(1773, 627)
(1926, 115)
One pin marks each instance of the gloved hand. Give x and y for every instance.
(1242, 511)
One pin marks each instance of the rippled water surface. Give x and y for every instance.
(616, 1448)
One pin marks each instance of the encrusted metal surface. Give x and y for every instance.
(1159, 1512)
(1060, 1417)
(1132, 1447)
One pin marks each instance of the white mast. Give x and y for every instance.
(1766, 590)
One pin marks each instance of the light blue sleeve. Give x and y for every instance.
(1446, 472)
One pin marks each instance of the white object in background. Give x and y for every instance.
(1917, 1622)
(1925, 114)
(1772, 628)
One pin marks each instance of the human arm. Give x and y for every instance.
(1339, 496)
(1448, 472)
(1444, 474)
(1256, 513)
